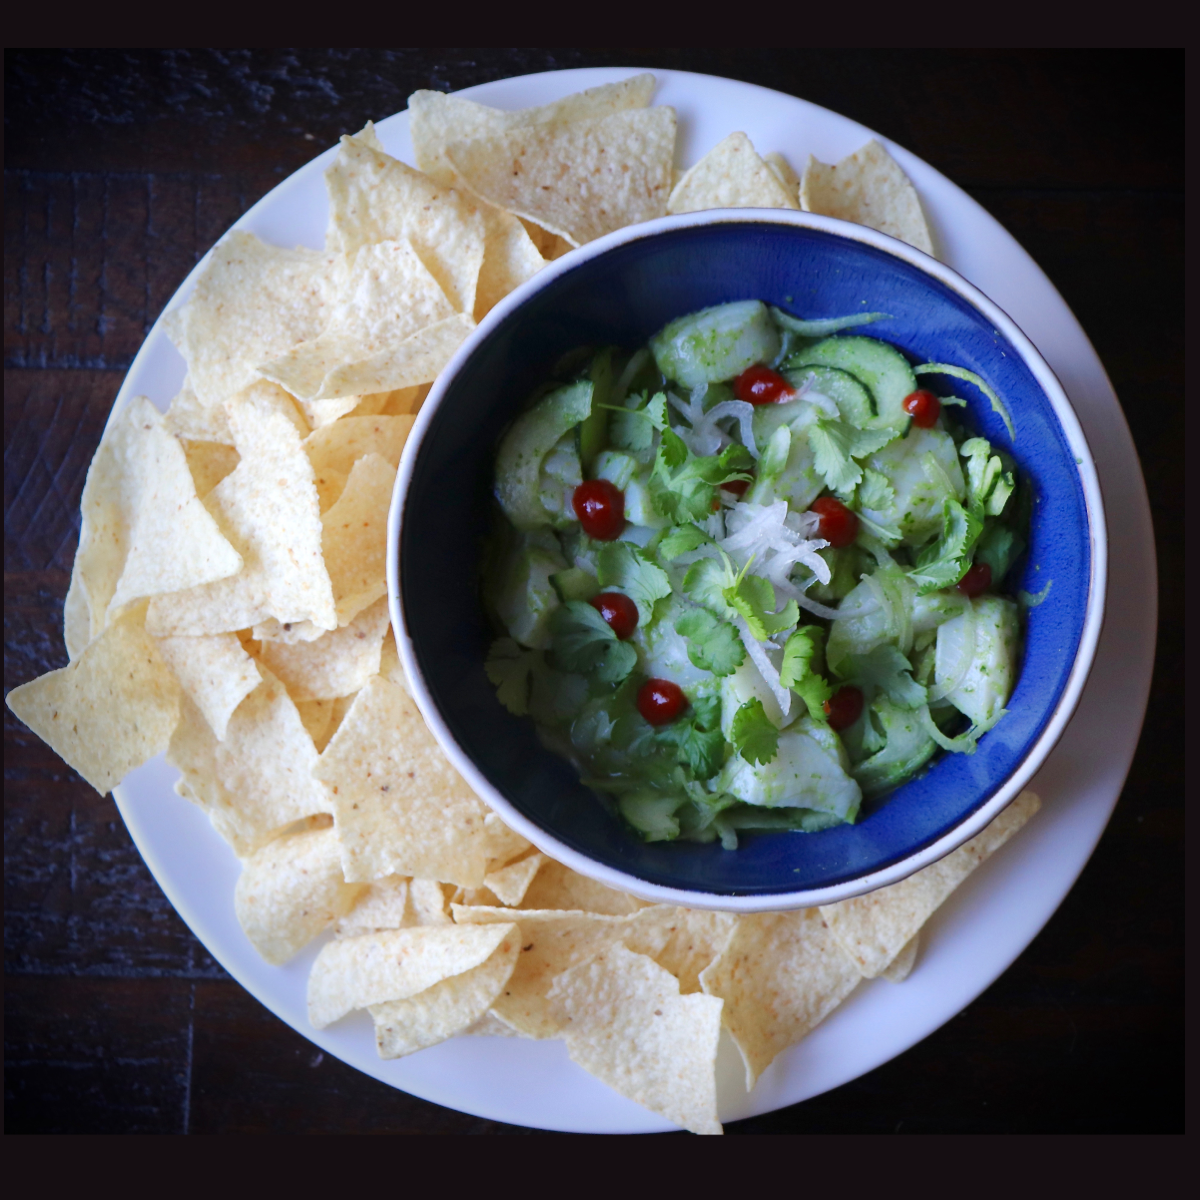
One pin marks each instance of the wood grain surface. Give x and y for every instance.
(122, 168)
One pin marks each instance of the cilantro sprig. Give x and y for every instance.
(584, 643)
(713, 644)
(800, 669)
(753, 735)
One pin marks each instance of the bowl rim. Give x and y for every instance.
(918, 859)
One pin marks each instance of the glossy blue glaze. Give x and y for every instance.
(623, 296)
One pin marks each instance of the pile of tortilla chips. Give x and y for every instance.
(228, 607)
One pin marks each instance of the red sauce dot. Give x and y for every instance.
(761, 385)
(618, 611)
(976, 581)
(924, 408)
(660, 701)
(839, 526)
(600, 507)
(843, 708)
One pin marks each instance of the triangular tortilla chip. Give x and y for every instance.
(209, 463)
(357, 972)
(144, 530)
(354, 537)
(270, 511)
(510, 257)
(291, 891)
(785, 174)
(780, 975)
(696, 939)
(869, 188)
(400, 807)
(557, 886)
(389, 296)
(215, 672)
(252, 303)
(336, 664)
(188, 418)
(259, 779)
(730, 175)
(875, 929)
(624, 1021)
(376, 198)
(581, 180)
(343, 443)
(449, 1007)
(437, 119)
(111, 710)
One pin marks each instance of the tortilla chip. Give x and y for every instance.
(253, 303)
(509, 884)
(336, 664)
(209, 463)
(389, 295)
(624, 1021)
(291, 891)
(291, 633)
(875, 928)
(557, 886)
(215, 672)
(259, 779)
(402, 402)
(317, 718)
(108, 712)
(342, 444)
(393, 965)
(450, 1007)
(490, 1025)
(324, 412)
(902, 965)
(549, 245)
(581, 180)
(144, 531)
(785, 175)
(510, 258)
(730, 175)
(375, 198)
(869, 188)
(780, 975)
(696, 939)
(188, 419)
(354, 537)
(551, 942)
(437, 119)
(400, 807)
(426, 903)
(380, 905)
(330, 485)
(269, 510)
(77, 620)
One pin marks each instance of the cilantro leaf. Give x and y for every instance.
(623, 566)
(682, 483)
(945, 561)
(754, 598)
(875, 491)
(799, 670)
(584, 643)
(632, 428)
(753, 735)
(713, 645)
(510, 668)
(697, 739)
(682, 540)
(833, 444)
(706, 581)
(999, 547)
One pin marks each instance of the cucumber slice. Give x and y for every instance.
(526, 446)
(907, 750)
(883, 369)
(717, 343)
(574, 584)
(593, 433)
(526, 596)
(854, 401)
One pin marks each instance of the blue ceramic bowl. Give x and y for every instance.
(621, 289)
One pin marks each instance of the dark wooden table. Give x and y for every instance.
(122, 168)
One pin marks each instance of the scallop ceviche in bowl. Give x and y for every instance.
(747, 562)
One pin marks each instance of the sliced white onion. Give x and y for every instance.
(632, 367)
(965, 659)
(766, 668)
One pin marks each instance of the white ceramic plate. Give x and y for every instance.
(985, 924)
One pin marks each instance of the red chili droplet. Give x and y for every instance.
(924, 408)
(761, 385)
(843, 708)
(618, 611)
(600, 507)
(660, 701)
(976, 581)
(839, 526)
(737, 486)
